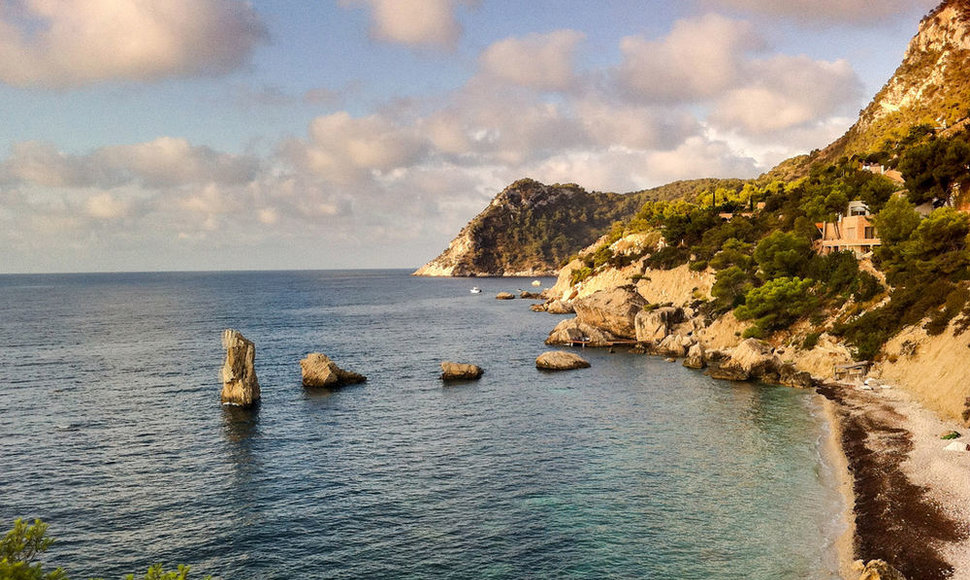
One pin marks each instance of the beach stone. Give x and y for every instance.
(239, 383)
(558, 360)
(320, 372)
(505, 296)
(452, 371)
(695, 357)
(880, 570)
(654, 325)
(614, 310)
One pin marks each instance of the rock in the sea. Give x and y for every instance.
(319, 371)
(558, 360)
(675, 345)
(505, 296)
(879, 570)
(752, 359)
(572, 331)
(559, 307)
(526, 295)
(613, 310)
(452, 371)
(239, 383)
(695, 357)
(654, 325)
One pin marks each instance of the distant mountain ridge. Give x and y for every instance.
(531, 229)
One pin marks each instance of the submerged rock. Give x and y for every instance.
(558, 360)
(505, 296)
(321, 372)
(239, 383)
(452, 371)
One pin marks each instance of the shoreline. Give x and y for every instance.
(908, 497)
(833, 451)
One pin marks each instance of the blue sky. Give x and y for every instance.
(219, 134)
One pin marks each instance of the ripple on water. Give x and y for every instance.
(111, 430)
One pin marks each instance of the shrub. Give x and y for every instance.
(811, 339)
(778, 304)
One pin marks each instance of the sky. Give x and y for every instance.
(157, 135)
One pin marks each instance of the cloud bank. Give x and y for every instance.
(69, 43)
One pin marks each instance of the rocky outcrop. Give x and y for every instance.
(790, 376)
(654, 325)
(878, 570)
(752, 359)
(573, 331)
(321, 372)
(452, 371)
(675, 345)
(239, 383)
(558, 360)
(505, 296)
(695, 357)
(614, 311)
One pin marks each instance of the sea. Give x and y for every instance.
(111, 432)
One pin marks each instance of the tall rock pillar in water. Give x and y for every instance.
(239, 384)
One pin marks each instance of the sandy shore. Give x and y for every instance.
(911, 497)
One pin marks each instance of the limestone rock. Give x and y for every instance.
(790, 376)
(526, 295)
(452, 371)
(695, 357)
(239, 383)
(675, 345)
(880, 570)
(321, 372)
(505, 296)
(613, 310)
(572, 330)
(558, 360)
(752, 359)
(654, 325)
(559, 307)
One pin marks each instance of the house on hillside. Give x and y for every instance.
(853, 232)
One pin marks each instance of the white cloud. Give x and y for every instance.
(698, 59)
(828, 11)
(543, 62)
(346, 150)
(107, 207)
(786, 92)
(414, 23)
(68, 43)
(164, 162)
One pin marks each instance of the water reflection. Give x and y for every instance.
(240, 424)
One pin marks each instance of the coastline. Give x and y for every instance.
(908, 496)
(834, 452)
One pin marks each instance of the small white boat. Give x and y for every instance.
(476, 290)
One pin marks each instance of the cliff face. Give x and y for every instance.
(931, 86)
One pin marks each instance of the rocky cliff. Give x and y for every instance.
(931, 86)
(530, 228)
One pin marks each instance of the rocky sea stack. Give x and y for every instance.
(239, 383)
(320, 372)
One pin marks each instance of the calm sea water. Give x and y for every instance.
(112, 432)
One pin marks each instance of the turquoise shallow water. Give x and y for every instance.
(111, 431)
